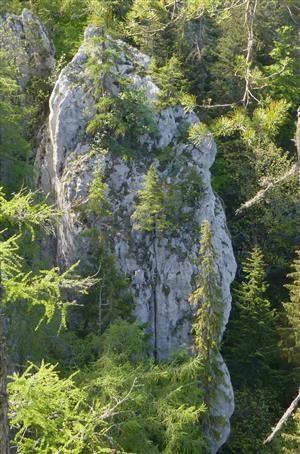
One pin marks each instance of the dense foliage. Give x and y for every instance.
(236, 64)
(123, 401)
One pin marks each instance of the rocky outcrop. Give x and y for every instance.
(25, 38)
(161, 267)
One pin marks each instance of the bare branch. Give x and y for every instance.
(233, 6)
(283, 419)
(215, 106)
(277, 73)
(291, 14)
(81, 285)
(111, 411)
(249, 22)
(294, 170)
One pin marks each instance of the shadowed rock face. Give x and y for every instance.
(25, 38)
(26, 48)
(161, 267)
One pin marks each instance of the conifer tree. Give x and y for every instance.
(150, 216)
(292, 308)
(44, 288)
(150, 212)
(250, 344)
(207, 323)
(207, 300)
(170, 80)
(98, 203)
(290, 436)
(290, 329)
(207, 297)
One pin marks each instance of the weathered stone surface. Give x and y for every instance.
(161, 267)
(26, 39)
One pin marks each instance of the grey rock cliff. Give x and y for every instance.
(26, 40)
(162, 269)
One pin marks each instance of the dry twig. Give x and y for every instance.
(283, 419)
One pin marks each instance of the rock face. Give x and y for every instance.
(161, 267)
(27, 55)
(26, 39)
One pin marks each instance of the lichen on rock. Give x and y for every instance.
(161, 266)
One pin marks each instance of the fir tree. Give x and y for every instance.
(292, 307)
(98, 203)
(207, 324)
(207, 298)
(170, 80)
(290, 331)
(150, 212)
(250, 345)
(290, 436)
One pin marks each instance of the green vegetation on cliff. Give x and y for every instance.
(236, 64)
